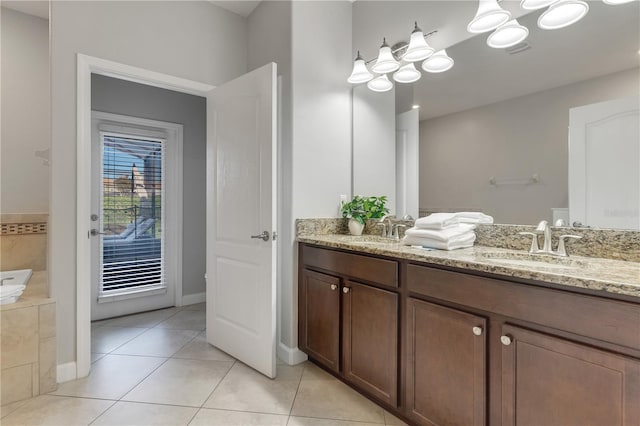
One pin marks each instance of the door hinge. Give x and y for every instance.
(275, 235)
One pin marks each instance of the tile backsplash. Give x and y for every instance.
(23, 241)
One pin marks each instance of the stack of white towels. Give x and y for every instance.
(445, 231)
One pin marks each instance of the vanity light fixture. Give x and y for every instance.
(407, 74)
(616, 2)
(535, 4)
(488, 17)
(380, 84)
(360, 73)
(385, 62)
(418, 48)
(562, 13)
(508, 35)
(438, 62)
(415, 106)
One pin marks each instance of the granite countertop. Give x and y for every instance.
(36, 293)
(606, 275)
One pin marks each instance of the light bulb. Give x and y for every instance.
(488, 17)
(360, 73)
(418, 48)
(535, 4)
(385, 62)
(380, 84)
(616, 2)
(407, 74)
(438, 62)
(563, 13)
(508, 35)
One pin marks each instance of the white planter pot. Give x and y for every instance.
(355, 227)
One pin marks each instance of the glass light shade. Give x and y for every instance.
(563, 13)
(615, 2)
(488, 17)
(535, 4)
(380, 84)
(385, 62)
(360, 73)
(508, 35)
(407, 74)
(438, 62)
(418, 48)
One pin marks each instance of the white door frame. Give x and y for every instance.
(87, 65)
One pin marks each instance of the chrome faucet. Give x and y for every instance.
(544, 229)
(387, 227)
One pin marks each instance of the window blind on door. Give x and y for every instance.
(132, 206)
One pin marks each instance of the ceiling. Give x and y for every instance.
(239, 7)
(35, 8)
(605, 41)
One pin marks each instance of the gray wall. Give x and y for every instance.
(138, 100)
(25, 117)
(193, 40)
(511, 139)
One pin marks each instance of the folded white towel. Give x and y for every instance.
(445, 220)
(461, 241)
(441, 234)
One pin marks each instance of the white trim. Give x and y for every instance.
(66, 372)
(107, 298)
(291, 356)
(192, 299)
(86, 65)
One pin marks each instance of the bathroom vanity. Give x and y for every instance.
(476, 336)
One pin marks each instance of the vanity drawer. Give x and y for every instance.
(606, 320)
(356, 266)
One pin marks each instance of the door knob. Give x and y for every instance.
(264, 236)
(477, 331)
(334, 287)
(95, 232)
(506, 340)
(345, 290)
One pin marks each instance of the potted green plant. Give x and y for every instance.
(359, 209)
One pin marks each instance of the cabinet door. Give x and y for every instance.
(370, 336)
(319, 328)
(446, 366)
(552, 381)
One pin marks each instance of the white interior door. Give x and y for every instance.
(407, 163)
(604, 164)
(241, 205)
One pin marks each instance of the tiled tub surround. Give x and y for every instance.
(28, 327)
(610, 276)
(28, 343)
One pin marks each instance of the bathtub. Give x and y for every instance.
(13, 284)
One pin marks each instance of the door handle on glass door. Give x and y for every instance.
(95, 232)
(264, 236)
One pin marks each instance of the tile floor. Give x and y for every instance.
(156, 368)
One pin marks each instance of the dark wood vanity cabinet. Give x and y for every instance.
(446, 365)
(444, 347)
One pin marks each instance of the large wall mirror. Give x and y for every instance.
(494, 131)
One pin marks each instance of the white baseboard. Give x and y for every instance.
(66, 372)
(192, 299)
(291, 356)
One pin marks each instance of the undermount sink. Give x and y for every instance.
(533, 260)
(370, 240)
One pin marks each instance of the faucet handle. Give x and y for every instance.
(384, 228)
(562, 250)
(395, 233)
(534, 242)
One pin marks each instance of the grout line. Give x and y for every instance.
(218, 384)
(304, 367)
(100, 415)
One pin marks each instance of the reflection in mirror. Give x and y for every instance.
(493, 130)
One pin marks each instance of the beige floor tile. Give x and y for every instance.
(157, 342)
(144, 319)
(180, 382)
(334, 400)
(106, 338)
(313, 372)
(57, 411)
(137, 414)
(96, 356)
(208, 417)
(196, 307)
(7, 409)
(391, 420)
(310, 421)
(186, 320)
(111, 377)
(244, 389)
(199, 348)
